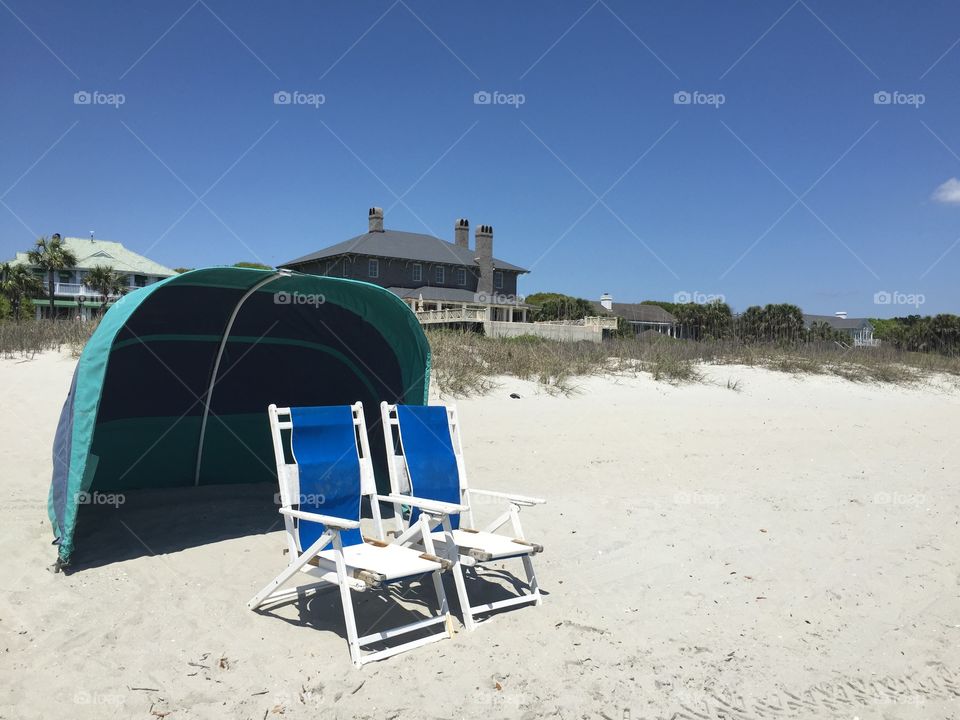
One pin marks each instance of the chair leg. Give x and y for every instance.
(291, 570)
(532, 579)
(437, 577)
(346, 599)
(527, 560)
(453, 554)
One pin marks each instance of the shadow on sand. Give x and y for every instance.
(401, 603)
(159, 521)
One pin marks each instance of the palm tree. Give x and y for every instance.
(51, 256)
(17, 283)
(106, 281)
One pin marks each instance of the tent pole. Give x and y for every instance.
(216, 365)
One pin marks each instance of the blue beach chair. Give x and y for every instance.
(324, 468)
(425, 459)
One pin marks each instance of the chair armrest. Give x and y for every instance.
(428, 505)
(519, 499)
(329, 521)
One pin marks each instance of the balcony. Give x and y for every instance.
(451, 315)
(77, 289)
(591, 321)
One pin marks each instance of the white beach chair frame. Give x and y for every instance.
(325, 572)
(400, 488)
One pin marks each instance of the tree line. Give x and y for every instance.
(937, 333)
(775, 322)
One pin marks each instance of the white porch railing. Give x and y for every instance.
(77, 289)
(447, 315)
(592, 321)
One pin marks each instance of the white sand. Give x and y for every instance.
(788, 549)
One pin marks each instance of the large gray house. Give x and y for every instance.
(441, 281)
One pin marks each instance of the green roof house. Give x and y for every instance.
(72, 296)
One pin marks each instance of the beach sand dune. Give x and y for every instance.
(786, 549)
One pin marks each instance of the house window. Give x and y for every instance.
(461, 276)
(344, 268)
(373, 268)
(140, 280)
(438, 275)
(498, 279)
(417, 272)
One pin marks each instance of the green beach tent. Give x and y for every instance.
(173, 387)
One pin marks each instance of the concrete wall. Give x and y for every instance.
(544, 330)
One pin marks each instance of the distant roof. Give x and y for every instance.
(638, 312)
(445, 294)
(104, 252)
(836, 322)
(406, 246)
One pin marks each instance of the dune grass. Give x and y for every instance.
(465, 363)
(26, 338)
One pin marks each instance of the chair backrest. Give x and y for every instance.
(323, 466)
(433, 465)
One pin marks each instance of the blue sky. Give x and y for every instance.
(783, 180)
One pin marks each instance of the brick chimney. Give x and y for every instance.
(375, 219)
(461, 232)
(483, 244)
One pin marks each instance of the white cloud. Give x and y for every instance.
(949, 192)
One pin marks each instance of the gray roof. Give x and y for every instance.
(406, 246)
(445, 294)
(837, 323)
(638, 312)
